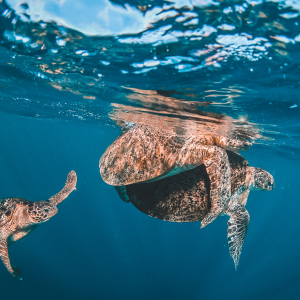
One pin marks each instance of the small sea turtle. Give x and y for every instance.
(18, 217)
(185, 197)
(145, 154)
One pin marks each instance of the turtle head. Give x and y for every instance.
(41, 211)
(259, 179)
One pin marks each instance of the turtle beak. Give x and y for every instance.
(271, 184)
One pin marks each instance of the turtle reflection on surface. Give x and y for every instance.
(185, 197)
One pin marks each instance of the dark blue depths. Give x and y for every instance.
(98, 247)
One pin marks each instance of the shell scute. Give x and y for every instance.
(140, 154)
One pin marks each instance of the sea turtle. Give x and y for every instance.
(144, 154)
(18, 217)
(185, 197)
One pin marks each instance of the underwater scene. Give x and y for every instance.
(169, 129)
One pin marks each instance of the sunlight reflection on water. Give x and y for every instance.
(164, 59)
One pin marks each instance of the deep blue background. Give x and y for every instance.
(98, 247)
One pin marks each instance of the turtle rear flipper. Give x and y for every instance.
(236, 232)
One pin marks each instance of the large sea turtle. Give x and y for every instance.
(18, 217)
(144, 154)
(185, 197)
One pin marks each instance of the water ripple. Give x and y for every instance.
(66, 60)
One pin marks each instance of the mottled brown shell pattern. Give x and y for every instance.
(181, 198)
(139, 155)
(184, 197)
(145, 153)
(8, 206)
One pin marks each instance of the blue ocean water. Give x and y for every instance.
(72, 73)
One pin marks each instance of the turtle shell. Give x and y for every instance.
(181, 198)
(8, 207)
(184, 197)
(143, 153)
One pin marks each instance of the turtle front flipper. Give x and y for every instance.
(243, 198)
(217, 166)
(236, 232)
(19, 234)
(69, 187)
(5, 259)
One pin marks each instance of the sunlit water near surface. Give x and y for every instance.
(72, 73)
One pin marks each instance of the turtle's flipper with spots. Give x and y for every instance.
(236, 232)
(5, 259)
(243, 198)
(69, 187)
(18, 235)
(217, 166)
(218, 169)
